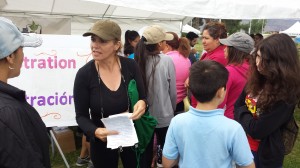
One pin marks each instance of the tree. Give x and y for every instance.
(232, 26)
(256, 26)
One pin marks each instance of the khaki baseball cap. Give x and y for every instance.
(105, 29)
(155, 34)
(240, 41)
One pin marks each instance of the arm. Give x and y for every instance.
(167, 163)
(252, 165)
(267, 122)
(82, 102)
(240, 149)
(172, 83)
(16, 149)
(140, 107)
(170, 152)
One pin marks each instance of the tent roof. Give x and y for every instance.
(156, 9)
(79, 8)
(219, 9)
(294, 30)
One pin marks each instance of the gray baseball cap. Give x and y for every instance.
(240, 41)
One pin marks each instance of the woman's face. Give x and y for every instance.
(258, 61)
(226, 52)
(135, 41)
(17, 60)
(162, 45)
(209, 44)
(102, 49)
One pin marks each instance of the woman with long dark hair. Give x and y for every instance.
(158, 72)
(268, 102)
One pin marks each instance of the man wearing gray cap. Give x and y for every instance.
(24, 140)
(239, 46)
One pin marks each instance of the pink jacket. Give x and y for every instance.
(182, 67)
(236, 82)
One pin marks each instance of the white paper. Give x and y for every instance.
(124, 125)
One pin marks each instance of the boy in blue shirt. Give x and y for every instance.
(203, 136)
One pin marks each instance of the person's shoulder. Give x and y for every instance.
(165, 59)
(87, 66)
(230, 123)
(126, 60)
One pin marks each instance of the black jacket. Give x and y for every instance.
(88, 95)
(266, 128)
(24, 142)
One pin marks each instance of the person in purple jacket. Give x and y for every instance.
(239, 46)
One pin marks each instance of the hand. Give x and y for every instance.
(138, 110)
(102, 133)
(194, 51)
(186, 83)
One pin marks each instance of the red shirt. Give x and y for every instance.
(251, 104)
(216, 55)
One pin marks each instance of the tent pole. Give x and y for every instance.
(249, 31)
(59, 149)
(105, 11)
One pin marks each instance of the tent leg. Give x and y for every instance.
(59, 149)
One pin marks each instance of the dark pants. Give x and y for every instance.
(161, 135)
(146, 157)
(105, 157)
(179, 108)
(256, 160)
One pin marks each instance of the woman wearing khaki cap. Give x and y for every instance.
(100, 90)
(158, 72)
(23, 135)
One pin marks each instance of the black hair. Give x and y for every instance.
(216, 30)
(259, 35)
(191, 36)
(130, 35)
(141, 52)
(206, 78)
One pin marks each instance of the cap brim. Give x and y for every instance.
(102, 36)
(87, 34)
(31, 40)
(225, 42)
(169, 37)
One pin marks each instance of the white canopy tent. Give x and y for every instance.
(219, 9)
(294, 30)
(187, 28)
(76, 16)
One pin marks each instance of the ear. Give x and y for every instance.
(117, 45)
(160, 44)
(11, 58)
(221, 93)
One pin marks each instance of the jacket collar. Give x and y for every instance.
(12, 91)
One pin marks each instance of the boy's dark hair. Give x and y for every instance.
(191, 36)
(259, 35)
(206, 77)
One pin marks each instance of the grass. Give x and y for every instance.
(291, 161)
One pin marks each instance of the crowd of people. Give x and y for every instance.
(243, 89)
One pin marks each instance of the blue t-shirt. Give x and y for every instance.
(131, 56)
(206, 139)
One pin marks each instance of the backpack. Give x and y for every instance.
(289, 134)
